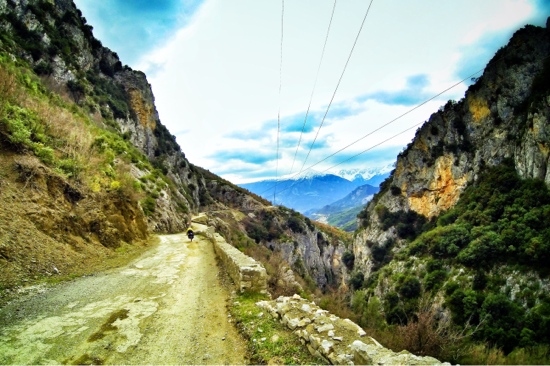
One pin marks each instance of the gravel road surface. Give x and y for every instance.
(167, 307)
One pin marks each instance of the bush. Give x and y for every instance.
(442, 242)
(356, 280)
(433, 280)
(409, 224)
(349, 259)
(504, 319)
(44, 153)
(410, 288)
(295, 224)
(148, 204)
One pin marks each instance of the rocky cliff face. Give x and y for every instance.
(503, 115)
(291, 243)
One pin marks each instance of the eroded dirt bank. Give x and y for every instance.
(167, 307)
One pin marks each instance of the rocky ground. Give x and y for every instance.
(167, 307)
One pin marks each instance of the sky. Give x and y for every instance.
(235, 79)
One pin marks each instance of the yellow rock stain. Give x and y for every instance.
(442, 192)
(144, 111)
(478, 108)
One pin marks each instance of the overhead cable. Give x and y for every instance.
(314, 87)
(395, 119)
(280, 87)
(337, 85)
(376, 130)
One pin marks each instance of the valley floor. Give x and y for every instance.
(167, 307)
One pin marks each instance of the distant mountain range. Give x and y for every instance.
(314, 190)
(343, 212)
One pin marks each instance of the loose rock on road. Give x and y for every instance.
(167, 307)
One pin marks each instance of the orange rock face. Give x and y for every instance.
(443, 190)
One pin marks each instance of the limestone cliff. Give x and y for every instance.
(503, 115)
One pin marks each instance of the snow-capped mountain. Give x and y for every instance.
(369, 175)
(303, 192)
(312, 189)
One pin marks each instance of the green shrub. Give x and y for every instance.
(349, 259)
(44, 153)
(433, 280)
(356, 280)
(503, 322)
(148, 204)
(410, 288)
(295, 224)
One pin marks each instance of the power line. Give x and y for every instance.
(390, 122)
(280, 87)
(337, 85)
(376, 130)
(395, 119)
(314, 87)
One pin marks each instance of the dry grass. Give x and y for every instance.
(53, 224)
(8, 88)
(269, 342)
(334, 232)
(43, 237)
(485, 355)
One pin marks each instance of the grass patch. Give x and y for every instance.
(269, 342)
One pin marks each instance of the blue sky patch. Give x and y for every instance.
(412, 94)
(131, 28)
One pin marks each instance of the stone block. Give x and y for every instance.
(326, 346)
(336, 349)
(325, 327)
(360, 354)
(314, 341)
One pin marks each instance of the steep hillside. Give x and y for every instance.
(298, 254)
(459, 229)
(88, 172)
(54, 40)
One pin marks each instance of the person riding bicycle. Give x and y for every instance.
(190, 234)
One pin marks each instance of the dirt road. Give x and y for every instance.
(167, 307)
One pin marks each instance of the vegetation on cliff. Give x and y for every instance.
(77, 187)
(458, 237)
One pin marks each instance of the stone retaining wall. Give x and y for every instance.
(338, 341)
(246, 273)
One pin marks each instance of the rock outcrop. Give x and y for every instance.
(503, 115)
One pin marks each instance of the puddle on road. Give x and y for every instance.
(89, 333)
(108, 326)
(52, 339)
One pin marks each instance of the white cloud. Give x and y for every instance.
(220, 74)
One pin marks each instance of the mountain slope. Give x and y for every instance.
(343, 213)
(303, 193)
(88, 171)
(460, 223)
